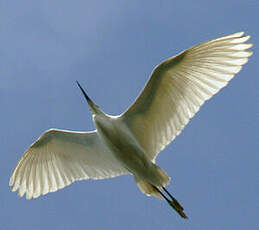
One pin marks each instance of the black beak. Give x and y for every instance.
(90, 102)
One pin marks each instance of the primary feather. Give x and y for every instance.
(60, 157)
(179, 86)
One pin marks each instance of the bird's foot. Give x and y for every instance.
(178, 208)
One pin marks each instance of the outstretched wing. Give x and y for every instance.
(61, 157)
(179, 86)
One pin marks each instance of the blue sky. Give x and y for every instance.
(111, 47)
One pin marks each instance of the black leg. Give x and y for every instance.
(169, 194)
(162, 194)
(173, 203)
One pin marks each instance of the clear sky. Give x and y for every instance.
(111, 47)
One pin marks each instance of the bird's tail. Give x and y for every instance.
(150, 190)
(147, 188)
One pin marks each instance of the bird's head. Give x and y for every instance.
(94, 109)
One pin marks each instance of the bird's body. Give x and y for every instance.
(125, 148)
(130, 142)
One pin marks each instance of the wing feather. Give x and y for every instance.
(58, 158)
(179, 86)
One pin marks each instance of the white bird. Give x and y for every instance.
(129, 143)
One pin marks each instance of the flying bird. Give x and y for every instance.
(129, 143)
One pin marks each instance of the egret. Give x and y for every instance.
(129, 143)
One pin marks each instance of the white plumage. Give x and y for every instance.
(60, 157)
(129, 143)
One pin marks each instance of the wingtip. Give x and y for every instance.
(250, 53)
(239, 34)
(11, 181)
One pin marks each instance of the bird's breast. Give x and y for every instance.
(122, 144)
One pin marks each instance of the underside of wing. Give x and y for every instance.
(61, 157)
(179, 86)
